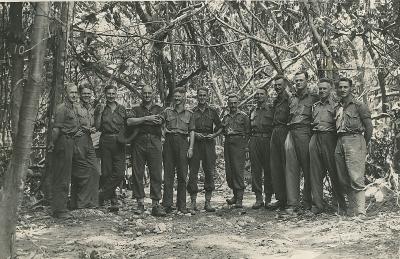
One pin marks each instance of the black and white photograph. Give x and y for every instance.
(241, 129)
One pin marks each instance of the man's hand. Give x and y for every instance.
(93, 130)
(154, 119)
(190, 153)
(199, 135)
(209, 136)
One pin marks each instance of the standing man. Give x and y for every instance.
(110, 121)
(296, 145)
(322, 148)
(207, 127)
(236, 130)
(261, 121)
(177, 149)
(279, 133)
(354, 127)
(147, 149)
(73, 156)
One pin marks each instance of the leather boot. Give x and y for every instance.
(193, 205)
(239, 199)
(232, 200)
(207, 204)
(259, 201)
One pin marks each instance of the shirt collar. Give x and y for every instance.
(197, 108)
(303, 94)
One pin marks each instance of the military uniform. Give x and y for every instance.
(296, 147)
(351, 151)
(147, 149)
(277, 157)
(236, 130)
(178, 127)
(204, 149)
(261, 121)
(111, 150)
(74, 160)
(322, 153)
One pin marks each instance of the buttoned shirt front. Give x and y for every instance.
(178, 122)
(261, 119)
(70, 118)
(147, 127)
(88, 114)
(301, 108)
(236, 124)
(349, 116)
(112, 122)
(281, 109)
(206, 119)
(323, 114)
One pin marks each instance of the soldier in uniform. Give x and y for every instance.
(278, 137)
(236, 126)
(297, 142)
(354, 128)
(179, 125)
(111, 121)
(147, 149)
(261, 121)
(322, 147)
(207, 127)
(73, 155)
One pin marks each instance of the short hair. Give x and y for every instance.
(68, 85)
(279, 76)
(325, 80)
(262, 88)
(202, 88)
(142, 86)
(346, 79)
(179, 90)
(108, 87)
(83, 86)
(302, 72)
(232, 95)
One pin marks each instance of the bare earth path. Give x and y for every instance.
(228, 233)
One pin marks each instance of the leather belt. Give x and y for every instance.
(264, 135)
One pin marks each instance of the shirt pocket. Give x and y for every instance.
(306, 109)
(352, 120)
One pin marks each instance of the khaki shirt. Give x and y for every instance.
(236, 124)
(178, 122)
(147, 127)
(70, 118)
(281, 109)
(112, 122)
(206, 120)
(349, 116)
(323, 115)
(301, 108)
(261, 119)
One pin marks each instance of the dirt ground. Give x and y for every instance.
(228, 233)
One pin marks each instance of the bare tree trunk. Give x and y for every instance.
(59, 54)
(13, 180)
(17, 71)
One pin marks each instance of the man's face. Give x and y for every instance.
(178, 98)
(111, 94)
(343, 89)
(233, 104)
(324, 89)
(86, 95)
(202, 97)
(260, 96)
(301, 82)
(72, 93)
(279, 86)
(147, 94)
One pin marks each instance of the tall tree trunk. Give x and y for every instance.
(11, 192)
(59, 54)
(17, 71)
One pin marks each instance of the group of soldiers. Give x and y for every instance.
(296, 134)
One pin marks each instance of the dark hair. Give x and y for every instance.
(205, 89)
(180, 90)
(346, 79)
(302, 72)
(108, 87)
(83, 86)
(279, 76)
(325, 80)
(262, 88)
(232, 95)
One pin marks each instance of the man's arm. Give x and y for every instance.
(365, 116)
(97, 115)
